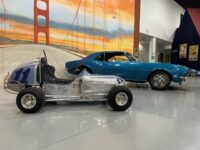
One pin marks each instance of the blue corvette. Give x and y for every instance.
(125, 65)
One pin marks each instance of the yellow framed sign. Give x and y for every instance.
(183, 51)
(193, 53)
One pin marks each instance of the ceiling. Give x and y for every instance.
(189, 3)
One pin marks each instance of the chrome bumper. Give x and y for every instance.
(12, 87)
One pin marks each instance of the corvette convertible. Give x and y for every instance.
(125, 65)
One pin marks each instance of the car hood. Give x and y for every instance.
(73, 64)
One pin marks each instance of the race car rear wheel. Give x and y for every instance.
(30, 100)
(159, 80)
(120, 98)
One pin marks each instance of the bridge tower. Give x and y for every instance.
(44, 13)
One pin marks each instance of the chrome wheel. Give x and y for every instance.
(160, 80)
(28, 101)
(121, 99)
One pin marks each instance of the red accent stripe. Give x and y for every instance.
(195, 15)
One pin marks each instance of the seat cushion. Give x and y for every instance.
(48, 76)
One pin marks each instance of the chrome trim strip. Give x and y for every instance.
(74, 100)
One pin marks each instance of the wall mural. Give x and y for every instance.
(83, 25)
(80, 25)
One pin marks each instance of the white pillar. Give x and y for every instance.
(152, 50)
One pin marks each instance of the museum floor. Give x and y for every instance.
(157, 120)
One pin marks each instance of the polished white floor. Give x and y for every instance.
(157, 120)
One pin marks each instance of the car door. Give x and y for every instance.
(96, 63)
(138, 68)
(118, 63)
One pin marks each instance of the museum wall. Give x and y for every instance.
(84, 26)
(160, 18)
(144, 53)
(186, 44)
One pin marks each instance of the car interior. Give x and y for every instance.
(114, 57)
(48, 74)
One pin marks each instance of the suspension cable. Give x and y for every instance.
(4, 6)
(74, 19)
(94, 23)
(119, 14)
(105, 27)
(4, 30)
(4, 18)
(77, 23)
(85, 13)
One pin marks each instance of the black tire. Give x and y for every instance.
(36, 94)
(112, 98)
(160, 85)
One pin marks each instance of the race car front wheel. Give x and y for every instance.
(120, 98)
(30, 100)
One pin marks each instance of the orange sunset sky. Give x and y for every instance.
(99, 25)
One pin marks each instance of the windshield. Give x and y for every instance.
(132, 57)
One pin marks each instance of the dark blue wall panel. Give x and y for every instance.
(186, 33)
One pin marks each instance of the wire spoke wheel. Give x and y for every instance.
(159, 81)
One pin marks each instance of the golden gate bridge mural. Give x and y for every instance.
(79, 25)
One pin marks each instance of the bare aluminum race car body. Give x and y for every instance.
(36, 83)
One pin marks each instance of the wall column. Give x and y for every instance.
(152, 50)
(137, 4)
